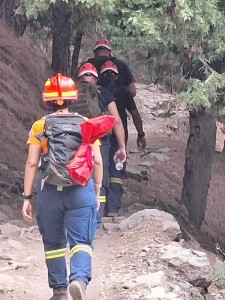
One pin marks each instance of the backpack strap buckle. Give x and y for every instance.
(59, 188)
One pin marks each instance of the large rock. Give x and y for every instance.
(194, 265)
(134, 174)
(19, 223)
(146, 214)
(172, 229)
(3, 167)
(9, 230)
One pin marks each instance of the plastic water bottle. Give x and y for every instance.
(119, 165)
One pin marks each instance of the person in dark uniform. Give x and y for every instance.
(88, 73)
(102, 52)
(124, 101)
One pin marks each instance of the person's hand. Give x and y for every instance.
(97, 194)
(97, 203)
(27, 211)
(120, 154)
(141, 142)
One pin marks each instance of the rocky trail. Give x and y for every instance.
(142, 253)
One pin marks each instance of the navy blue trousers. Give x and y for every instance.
(104, 148)
(115, 188)
(67, 216)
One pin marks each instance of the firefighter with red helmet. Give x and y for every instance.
(108, 78)
(102, 43)
(88, 73)
(87, 69)
(103, 53)
(109, 66)
(65, 214)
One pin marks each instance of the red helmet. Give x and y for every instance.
(86, 69)
(109, 65)
(102, 42)
(59, 87)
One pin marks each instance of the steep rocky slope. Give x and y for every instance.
(23, 69)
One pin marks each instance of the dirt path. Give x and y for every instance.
(100, 259)
(32, 281)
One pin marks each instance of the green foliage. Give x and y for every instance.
(166, 23)
(167, 30)
(204, 93)
(158, 33)
(33, 7)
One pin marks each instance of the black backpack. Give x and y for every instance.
(90, 102)
(64, 138)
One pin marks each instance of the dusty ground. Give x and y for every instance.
(32, 281)
(24, 69)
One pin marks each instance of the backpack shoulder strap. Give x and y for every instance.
(41, 136)
(100, 98)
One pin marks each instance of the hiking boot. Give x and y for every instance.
(77, 290)
(112, 214)
(59, 294)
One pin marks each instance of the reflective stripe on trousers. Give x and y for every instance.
(116, 180)
(102, 199)
(67, 216)
(115, 189)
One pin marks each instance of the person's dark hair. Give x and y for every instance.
(107, 80)
(53, 106)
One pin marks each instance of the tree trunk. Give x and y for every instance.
(76, 52)
(61, 17)
(223, 151)
(198, 164)
(17, 23)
